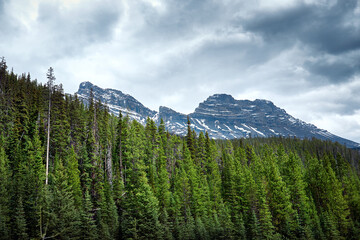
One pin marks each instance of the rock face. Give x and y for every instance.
(116, 101)
(222, 116)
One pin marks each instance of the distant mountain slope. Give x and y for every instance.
(116, 101)
(222, 116)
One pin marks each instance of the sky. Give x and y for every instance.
(303, 55)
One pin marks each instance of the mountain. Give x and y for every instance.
(116, 101)
(222, 116)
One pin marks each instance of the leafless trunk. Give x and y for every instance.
(121, 163)
(51, 79)
(48, 143)
(109, 164)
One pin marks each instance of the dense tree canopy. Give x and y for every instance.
(112, 178)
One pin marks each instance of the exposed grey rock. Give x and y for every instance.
(116, 101)
(222, 116)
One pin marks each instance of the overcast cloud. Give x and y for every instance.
(302, 55)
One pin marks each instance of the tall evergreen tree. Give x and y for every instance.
(73, 174)
(279, 199)
(111, 178)
(140, 216)
(190, 138)
(4, 192)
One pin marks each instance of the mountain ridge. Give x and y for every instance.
(221, 115)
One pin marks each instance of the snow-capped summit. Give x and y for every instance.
(222, 116)
(116, 101)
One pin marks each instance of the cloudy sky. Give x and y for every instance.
(302, 55)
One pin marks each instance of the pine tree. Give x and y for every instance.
(184, 221)
(73, 174)
(327, 193)
(111, 178)
(4, 192)
(140, 216)
(336, 201)
(228, 174)
(254, 231)
(59, 217)
(201, 152)
(152, 150)
(294, 176)
(107, 214)
(329, 225)
(60, 127)
(32, 181)
(190, 139)
(213, 172)
(279, 199)
(351, 185)
(87, 218)
(200, 229)
(187, 231)
(163, 186)
(77, 123)
(265, 218)
(19, 228)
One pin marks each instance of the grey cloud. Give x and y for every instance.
(324, 27)
(325, 31)
(280, 24)
(186, 50)
(71, 30)
(2, 6)
(351, 102)
(181, 19)
(9, 26)
(346, 106)
(338, 71)
(101, 23)
(331, 32)
(2, 15)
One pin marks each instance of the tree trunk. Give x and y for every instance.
(108, 163)
(48, 142)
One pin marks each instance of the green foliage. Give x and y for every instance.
(112, 178)
(19, 228)
(4, 192)
(59, 217)
(73, 176)
(140, 214)
(87, 219)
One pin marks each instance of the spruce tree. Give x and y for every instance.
(4, 192)
(73, 174)
(190, 139)
(279, 199)
(265, 217)
(293, 174)
(140, 214)
(87, 219)
(59, 216)
(19, 228)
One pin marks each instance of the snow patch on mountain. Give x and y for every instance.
(222, 116)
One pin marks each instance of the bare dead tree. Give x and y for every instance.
(51, 78)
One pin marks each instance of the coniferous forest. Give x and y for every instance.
(113, 178)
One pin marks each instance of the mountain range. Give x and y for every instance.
(222, 116)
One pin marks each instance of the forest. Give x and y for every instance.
(113, 178)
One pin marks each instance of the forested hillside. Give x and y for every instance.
(112, 178)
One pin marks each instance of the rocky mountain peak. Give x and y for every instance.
(86, 87)
(222, 116)
(116, 101)
(163, 109)
(220, 98)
